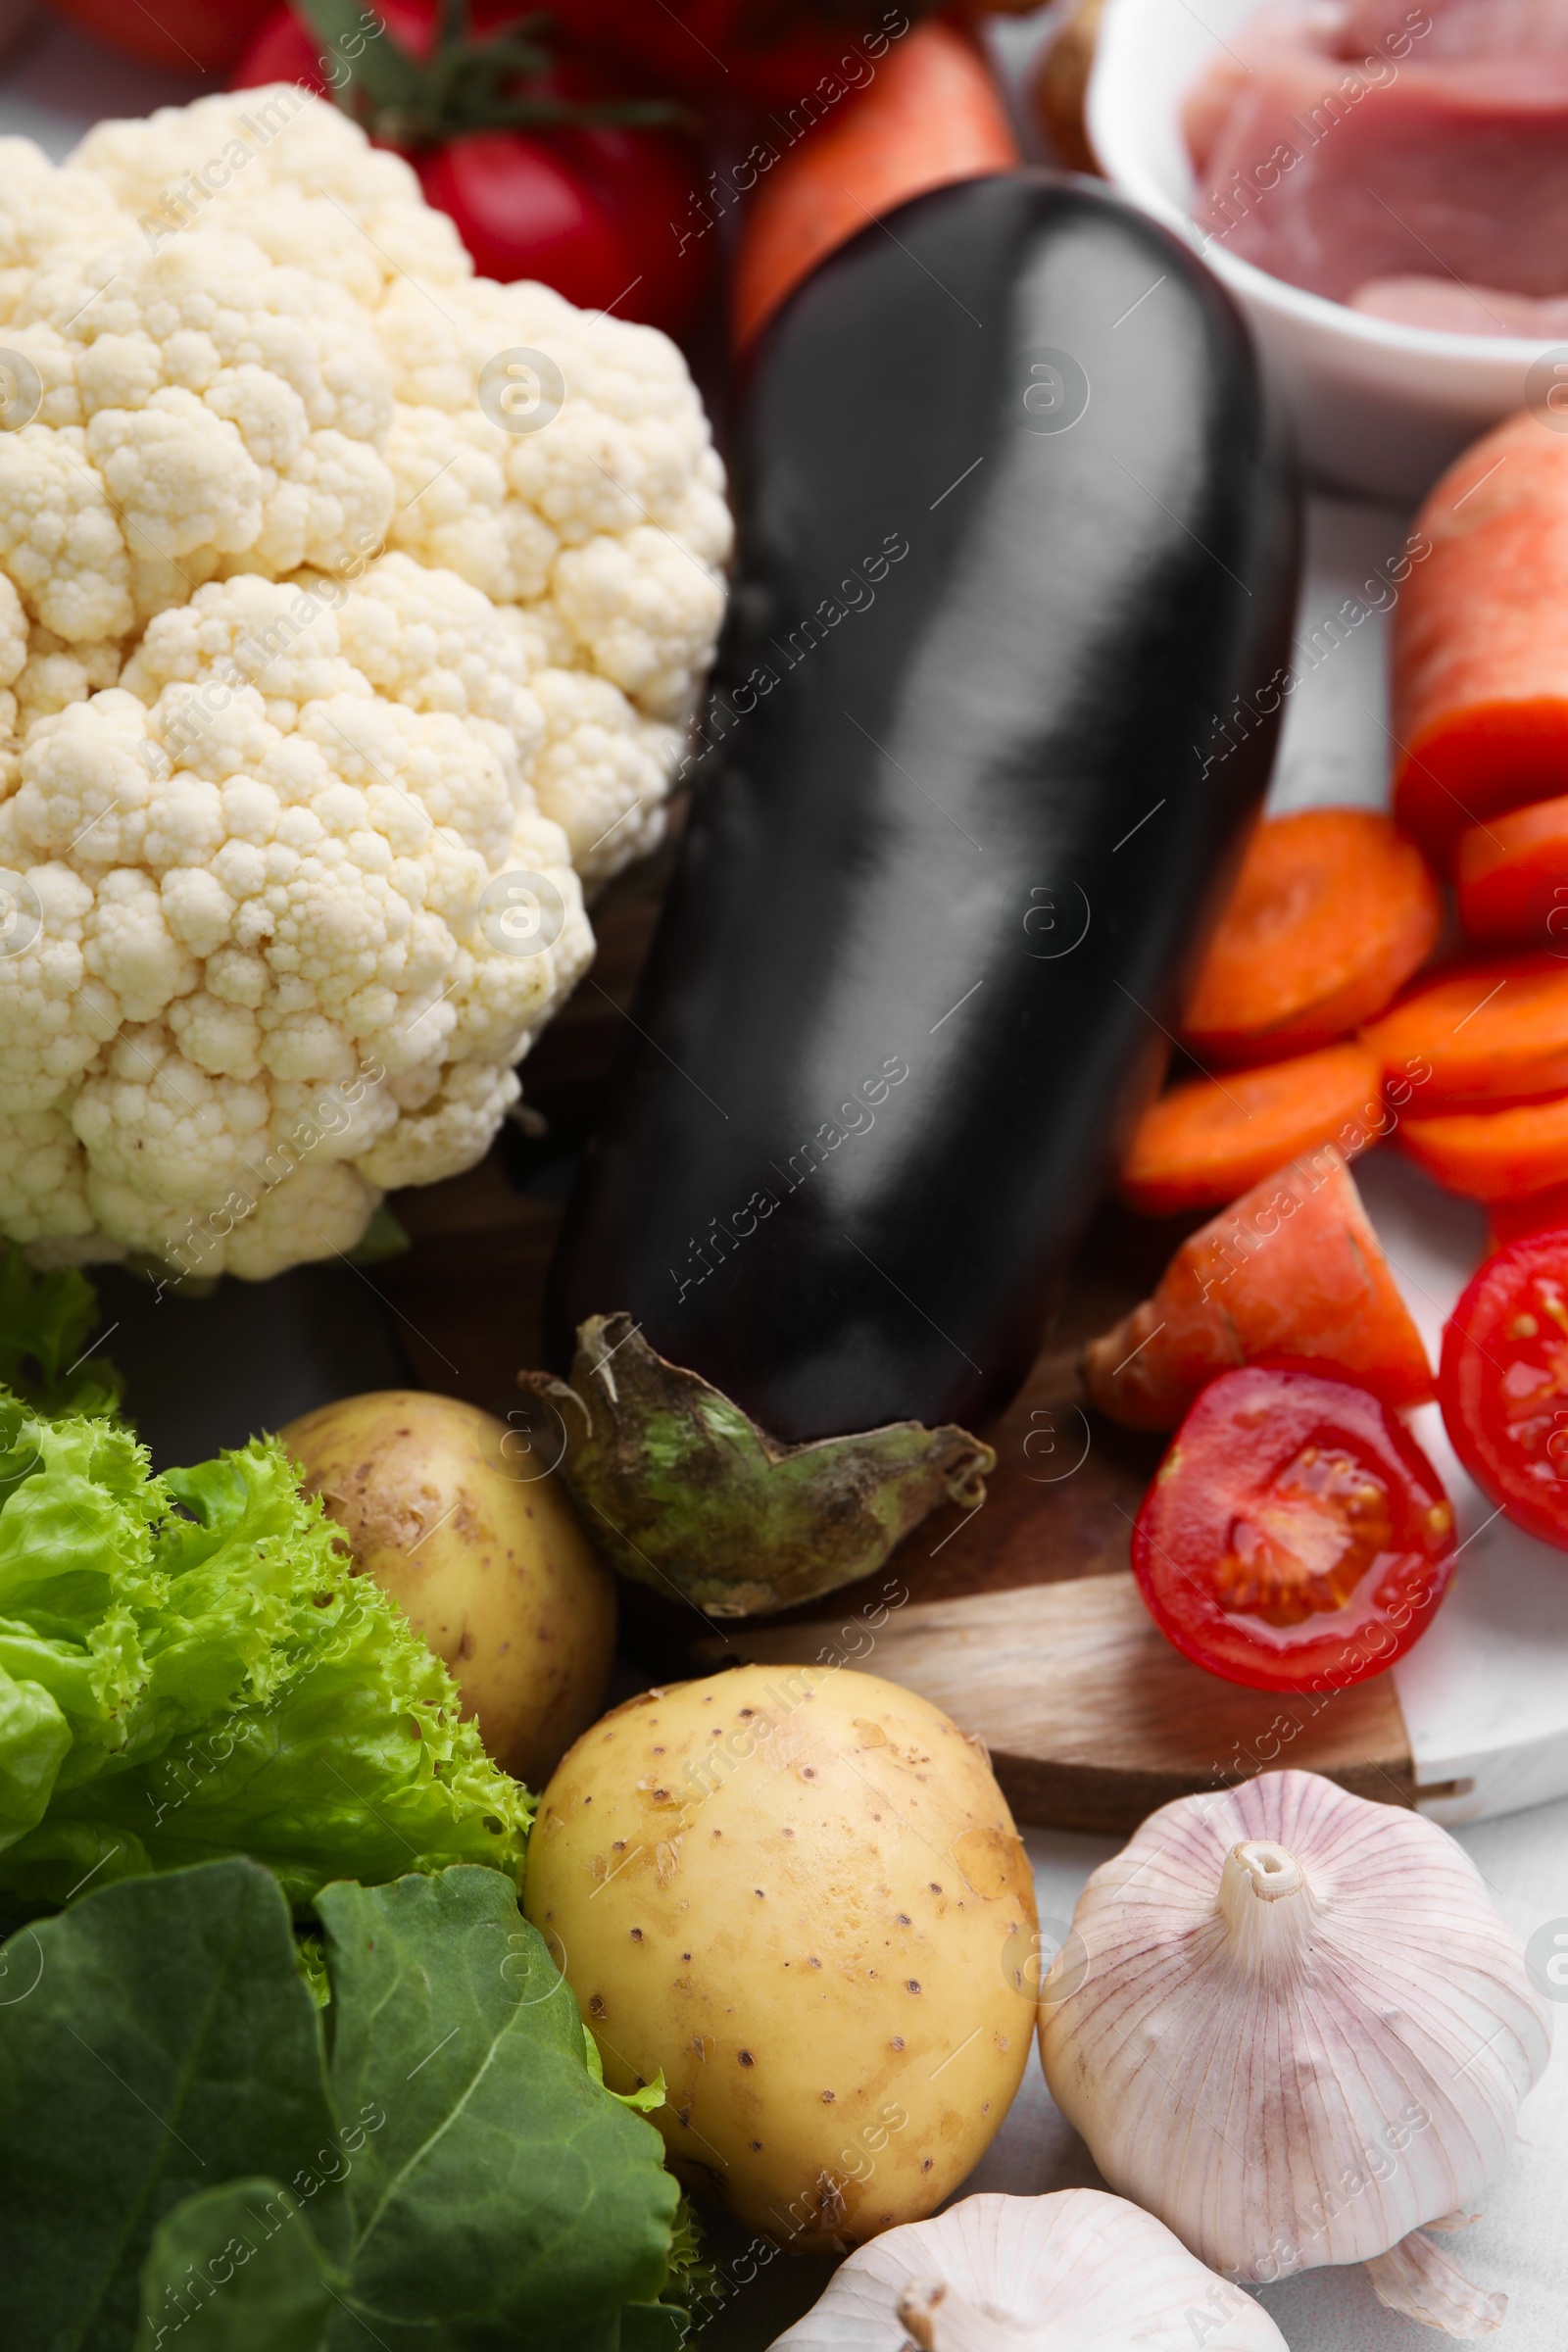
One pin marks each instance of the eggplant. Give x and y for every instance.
(998, 694)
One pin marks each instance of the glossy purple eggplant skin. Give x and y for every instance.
(995, 700)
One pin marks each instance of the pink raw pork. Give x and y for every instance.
(1461, 28)
(1446, 307)
(1342, 145)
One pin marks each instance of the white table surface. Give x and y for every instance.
(52, 88)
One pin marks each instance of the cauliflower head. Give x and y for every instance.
(351, 609)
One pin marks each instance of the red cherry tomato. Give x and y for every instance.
(764, 52)
(1295, 1536)
(203, 36)
(603, 212)
(1503, 1383)
(595, 213)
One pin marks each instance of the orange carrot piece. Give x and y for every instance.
(1331, 913)
(1533, 1212)
(1493, 1155)
(1292, 1271)
(1512, 874)
(1480, 648)
(1206, 1141)
(931, 114)
(1480, 1034)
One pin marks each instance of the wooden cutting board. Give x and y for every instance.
(1089, 1717)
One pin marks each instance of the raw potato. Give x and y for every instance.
(799, 1891)
(488, 1564)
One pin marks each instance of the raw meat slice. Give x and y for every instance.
(1450, 308)
(1341, 147)
(1330, 187)
(1461, 28)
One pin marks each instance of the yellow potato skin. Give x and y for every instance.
(800, 1893)
(490, 1567)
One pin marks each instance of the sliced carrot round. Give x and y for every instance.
(1493, 1155)
(1474, 763)
(1207, 1140)
(1512, 874)
(1331, 913)
(1480, 1034)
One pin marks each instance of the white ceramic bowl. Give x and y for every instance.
(1377, 409)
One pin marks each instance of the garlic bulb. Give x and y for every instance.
(1077, 2272)
(1295, 2028)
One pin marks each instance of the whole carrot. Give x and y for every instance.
(931, 113)
(1480, 645)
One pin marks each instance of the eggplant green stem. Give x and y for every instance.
(680, 1489)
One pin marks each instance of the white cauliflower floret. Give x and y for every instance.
(43, 1194)
(13, 661)
(453, 1129)
(290, 172)
(606, 525)
(200, 410)
(275, 953)
(429, 640)
(54, 673)
(602, 771)
(609, 518)
(42, 208)
(54, 1019)
(245, 634)
(596, 765)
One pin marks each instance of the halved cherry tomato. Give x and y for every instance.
(1512, 874)
(1503, 1385)
(1295, 1536)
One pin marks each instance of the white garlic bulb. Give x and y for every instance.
(1077, 2272)
(1291, 2024)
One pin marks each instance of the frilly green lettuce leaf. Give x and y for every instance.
(188, 1668)
(642, 2101)
(46, 1319)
